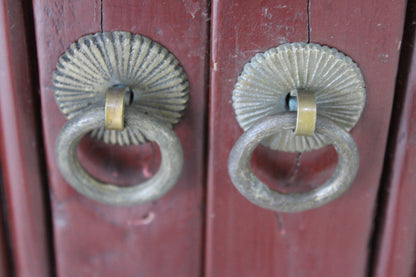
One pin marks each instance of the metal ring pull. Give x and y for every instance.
(258, 193)
(326, 89)
(91, 84)
(154, 188)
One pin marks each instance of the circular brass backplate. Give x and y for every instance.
(98, 62)
(264, 86)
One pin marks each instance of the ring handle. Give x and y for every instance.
(95, 80)
(154, 130)
(260, 194)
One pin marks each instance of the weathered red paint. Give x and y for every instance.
(165, 237)
(396, 248)
(20, 148)
(245, 240)
(372, 37)
(162, 238)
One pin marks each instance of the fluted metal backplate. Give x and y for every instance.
(263, 87)
(98, 62)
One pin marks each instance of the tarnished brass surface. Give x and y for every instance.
(264, 85)
(152, 189)
(96, 63)
(91, 82)
(306, 113)
(260, 194)
(326, 90)
(114, 108)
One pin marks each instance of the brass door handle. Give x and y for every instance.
(297, 97)
(83, 182)
(258, 193)
(124, 89)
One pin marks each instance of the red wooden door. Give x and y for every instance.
(396, 229)
(162, 238)
(204, 227)
(244, 240)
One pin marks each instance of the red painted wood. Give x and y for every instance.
(162, 238)
(396, 251)
(4, 255)
(20, 147)
(245, 240)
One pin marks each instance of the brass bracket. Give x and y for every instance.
(114, 108)
(306, 112)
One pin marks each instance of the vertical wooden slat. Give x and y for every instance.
(20, 147)
(245, 240)
(370, 32)
(4, 259)
(162, 238)
(4, 253)
(395, 254)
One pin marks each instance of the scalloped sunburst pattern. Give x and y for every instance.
(103, 60)
(265, 82)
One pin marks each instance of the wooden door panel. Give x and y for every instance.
(162, 238)
(395, 254)
(165, 237)
(21, 146)
(245, 240)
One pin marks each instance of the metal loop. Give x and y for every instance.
(152, 189)
(114, 108)
(260, 194)
(306, 113)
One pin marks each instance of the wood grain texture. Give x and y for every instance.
(395, 254)
(162, 238)
(244, 240)
(20, 147)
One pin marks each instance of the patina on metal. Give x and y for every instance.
(260, 194)
(297, 97)
(95, 63)
(152, 189)
(264, 87)
(125, 89)
(306, 112)
(114, 108)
